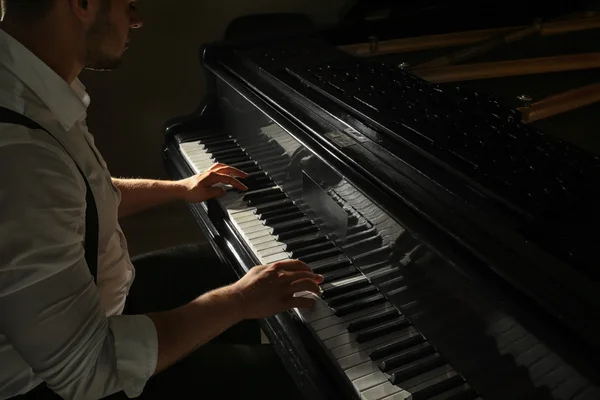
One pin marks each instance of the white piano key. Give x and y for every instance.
(369, 381)
(258, 233)
(384, 391)
(345, 281)
(246, 218)
(314, 315)
(361, 370)
(266, 240)
(340, 340)
(271, 251)
(267, 245)
(403, 395)
(353, 360)
(275, 258)
(247, 225)
(333, 331)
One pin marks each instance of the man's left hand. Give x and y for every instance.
(199, 188)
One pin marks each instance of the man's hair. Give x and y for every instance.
(31, 9)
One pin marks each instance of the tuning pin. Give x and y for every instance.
(373, 44)
(525, 99)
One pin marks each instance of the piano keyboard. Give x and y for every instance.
(380, 352)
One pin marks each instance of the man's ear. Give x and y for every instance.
(84, 10)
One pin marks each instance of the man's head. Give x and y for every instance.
(99, 28)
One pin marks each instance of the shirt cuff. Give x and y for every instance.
(136, 350)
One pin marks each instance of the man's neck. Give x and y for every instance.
(47, 45)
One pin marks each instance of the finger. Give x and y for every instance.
(301, 302)
(291, 265)
(216, 165)
(288, 277)
(215, 178)
(305, 285)
(231, 171)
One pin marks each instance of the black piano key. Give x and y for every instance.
(436, 386)
(351, 296)
(276, 205)
(359, 304)
(283, 237)
(362, 235)
(338, 274)
(266, 199)
(330, 264)
(385, 275)
(294, 214)
(259, 182)
(277, 213)
(276, 163)
(214, 139)
(375, 266)
(398, 345)
(245, 164)
(267, 153)
(337, 290)
(215, 155)
(259, 185)
(461, 392)
(379, 254)
(253, 172)
(416, 368)
(313, 248)
(393, 283)
(382, 329)
(320, 255)
(262, 193)
(230, 160)
(364, 244)
(353, 230)
(406, 356)
(221, 146)
(305, 241)
(373, 320)
(291, 225)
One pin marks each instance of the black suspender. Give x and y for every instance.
(91, 211)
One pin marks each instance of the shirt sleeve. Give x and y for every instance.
(49, 306)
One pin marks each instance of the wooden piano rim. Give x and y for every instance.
(561, 103)
(464, 38)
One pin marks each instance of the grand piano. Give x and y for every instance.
(457, 238)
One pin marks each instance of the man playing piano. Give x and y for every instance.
(66, 328)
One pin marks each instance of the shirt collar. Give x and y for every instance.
(67, 103)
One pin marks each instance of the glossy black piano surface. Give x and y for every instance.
(464, 239)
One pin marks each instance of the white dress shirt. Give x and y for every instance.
(56, 325)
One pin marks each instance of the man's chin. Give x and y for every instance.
(106, 65)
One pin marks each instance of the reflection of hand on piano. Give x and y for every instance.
(270, 289)
(212, 183)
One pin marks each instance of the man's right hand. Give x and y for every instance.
(269, 289)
